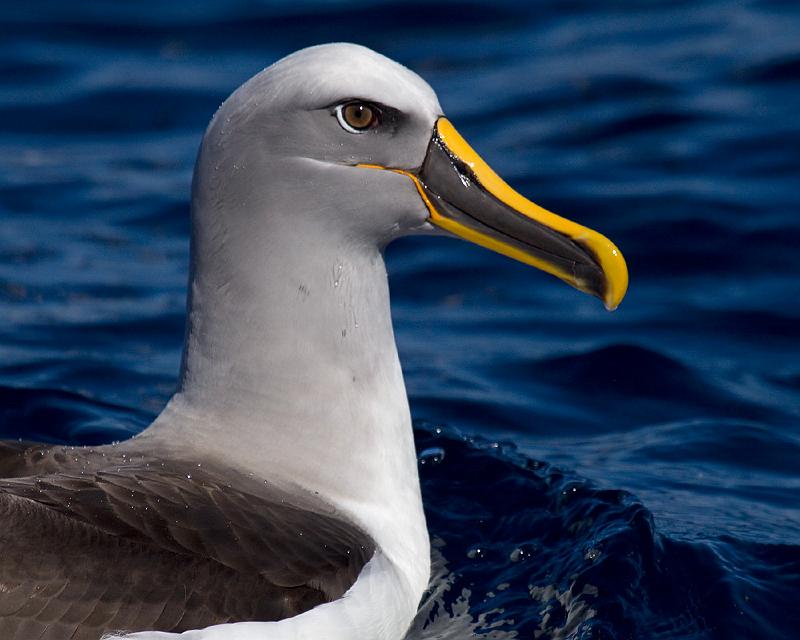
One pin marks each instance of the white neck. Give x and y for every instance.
(290, 372)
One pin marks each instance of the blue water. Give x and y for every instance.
(585, 474)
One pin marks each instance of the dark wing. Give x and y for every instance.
(110, 544)
(19, 458)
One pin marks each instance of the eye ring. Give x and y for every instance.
(357, 116)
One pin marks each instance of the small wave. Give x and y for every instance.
(121, 111)
(778, 69)
(593, 565)
(61, 417)
(628, 384)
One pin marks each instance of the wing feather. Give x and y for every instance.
(92, 542)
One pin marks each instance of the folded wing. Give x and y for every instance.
(102, 540)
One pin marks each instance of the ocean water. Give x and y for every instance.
(586, 474)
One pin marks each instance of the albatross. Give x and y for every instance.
(276, 496)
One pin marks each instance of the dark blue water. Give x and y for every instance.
(586, 475)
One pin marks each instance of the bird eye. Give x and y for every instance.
(357, 117)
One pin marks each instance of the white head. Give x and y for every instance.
(277, 148)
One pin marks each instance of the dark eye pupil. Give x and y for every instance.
(358, 115)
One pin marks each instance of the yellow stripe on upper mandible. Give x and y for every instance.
(609, 256)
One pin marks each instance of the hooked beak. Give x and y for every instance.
(467, 198)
